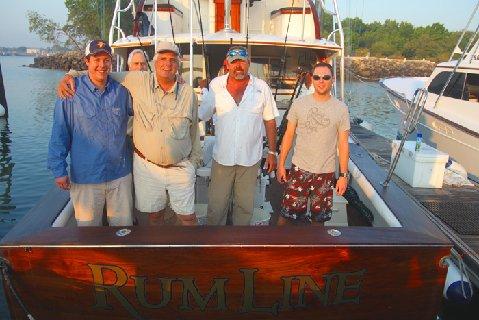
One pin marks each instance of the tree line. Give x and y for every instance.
(91, 19)
(397, 39)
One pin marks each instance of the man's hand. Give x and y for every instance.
(66, 87)
(281, 174)
(63, 182)
(270, 162)
(341, 185)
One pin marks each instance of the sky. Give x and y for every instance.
(452, 13)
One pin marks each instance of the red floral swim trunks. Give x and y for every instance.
(302, 186)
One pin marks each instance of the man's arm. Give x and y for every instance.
(66, 86)
(60, 144)
(343, 147)
(196, 152)
(270, 126)
(286, 144)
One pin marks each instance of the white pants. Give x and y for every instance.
(89, 201)
(153, 182)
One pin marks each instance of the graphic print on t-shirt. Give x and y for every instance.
(316, 119)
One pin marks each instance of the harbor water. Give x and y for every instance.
(30, 93)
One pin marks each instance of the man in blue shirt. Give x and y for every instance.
(91, 127)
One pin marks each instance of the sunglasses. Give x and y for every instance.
(325, 77)
(237, 52)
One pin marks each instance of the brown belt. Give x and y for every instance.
(138, 152)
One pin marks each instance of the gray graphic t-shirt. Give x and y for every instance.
(317, 127)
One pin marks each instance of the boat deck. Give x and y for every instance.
(454, 208)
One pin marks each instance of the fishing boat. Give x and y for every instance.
(393, 266)
(450, 121)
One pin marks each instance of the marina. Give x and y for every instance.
(393, 244)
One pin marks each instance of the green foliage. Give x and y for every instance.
(87, 19)
(399, 39)
(92, 18)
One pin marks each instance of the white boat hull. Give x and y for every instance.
(461, 144)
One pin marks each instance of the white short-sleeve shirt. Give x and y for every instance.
(238, 128)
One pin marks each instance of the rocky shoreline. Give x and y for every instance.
(372, 69)
(60, 61)
(365, 68)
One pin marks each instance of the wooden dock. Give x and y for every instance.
(455, 209)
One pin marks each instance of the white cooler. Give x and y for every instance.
(420, 169)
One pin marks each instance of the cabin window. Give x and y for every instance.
(455, 89)
(472, 87)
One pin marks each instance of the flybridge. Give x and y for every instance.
(281, 39)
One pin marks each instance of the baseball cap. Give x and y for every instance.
(162, 46)
(237, 53)
(95, 46)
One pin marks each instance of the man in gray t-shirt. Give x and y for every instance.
(321, 125)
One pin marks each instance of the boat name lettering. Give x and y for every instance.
(110, 282)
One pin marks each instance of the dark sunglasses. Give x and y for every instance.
(325, 77)
(237, 52)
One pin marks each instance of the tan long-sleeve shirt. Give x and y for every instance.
(165, 124)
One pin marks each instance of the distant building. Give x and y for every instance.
(33, 51)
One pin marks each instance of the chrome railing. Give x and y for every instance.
(412, 117)
(337, 28)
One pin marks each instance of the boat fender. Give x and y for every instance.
(457, 288)
(456, 168)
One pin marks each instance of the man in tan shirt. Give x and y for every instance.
(165, 135)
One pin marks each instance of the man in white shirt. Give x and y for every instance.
(242, 104)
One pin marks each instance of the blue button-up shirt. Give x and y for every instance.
(91, 126)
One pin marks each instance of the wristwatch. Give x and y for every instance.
(273, 153)
(344, 174)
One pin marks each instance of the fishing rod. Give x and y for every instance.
(203, 46)
(144, 54)
(283, 58)
(300, 79)
(171, 23)
(247, 5)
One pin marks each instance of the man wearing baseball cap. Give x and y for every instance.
(91, 127)
(242, 104)
(165, 135)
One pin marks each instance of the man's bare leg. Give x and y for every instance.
(282, 221)
(150, 218)
(188, 219)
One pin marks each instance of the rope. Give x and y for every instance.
(4, 266)
(462, 269)
(468, 47)
(283, 59)
(465, 29)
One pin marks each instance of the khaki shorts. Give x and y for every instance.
(90, 199)
(152, 184)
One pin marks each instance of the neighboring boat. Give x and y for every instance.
(393, 268)
(450, 122)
